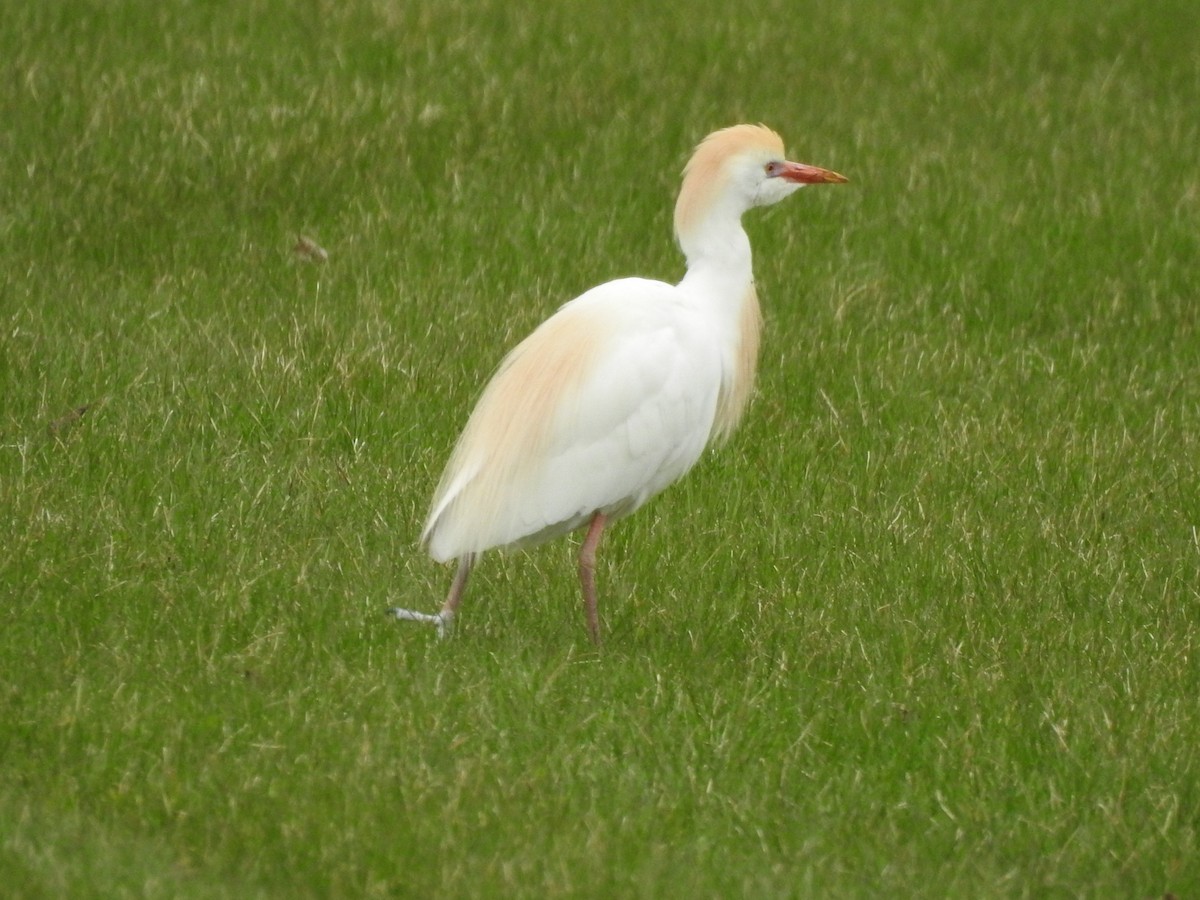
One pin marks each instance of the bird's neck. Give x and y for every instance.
(720, 281)
(719, 265)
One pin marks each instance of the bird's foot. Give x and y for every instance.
(442, 620)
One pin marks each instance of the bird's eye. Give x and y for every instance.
(772, 169)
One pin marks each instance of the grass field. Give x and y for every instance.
(928, 627)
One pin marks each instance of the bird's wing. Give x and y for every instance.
(605, 404)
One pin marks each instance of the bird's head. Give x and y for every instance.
(735, 169)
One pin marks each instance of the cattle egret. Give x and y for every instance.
(616, 395)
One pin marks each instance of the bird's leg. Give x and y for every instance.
(587, 574)
(458, 587)
(445, 618)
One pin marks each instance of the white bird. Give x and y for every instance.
(616, 395)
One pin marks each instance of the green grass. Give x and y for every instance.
(928, 627)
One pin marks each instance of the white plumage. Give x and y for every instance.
(616, 395)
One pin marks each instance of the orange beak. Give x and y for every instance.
(802, 174)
